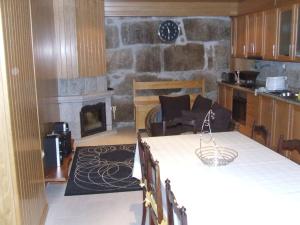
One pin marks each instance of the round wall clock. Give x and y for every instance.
(168, 31)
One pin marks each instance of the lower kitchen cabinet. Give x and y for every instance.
(225, 95)
(266, 114)
(295, 129)
(281, 124)
(279, 117)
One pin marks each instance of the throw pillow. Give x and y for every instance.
(201, 104)
(171, 107)
(222, 120)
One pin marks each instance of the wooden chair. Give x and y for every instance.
(173, 207)
(154, 195)
(144, 103)
(260, 134)
(144, 155)
(286, 147)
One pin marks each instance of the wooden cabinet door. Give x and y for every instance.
(251, 114)
(229, 96)
(222, 95)
(225, 95)
(297, 34)
(251, 27)
(281, 121)
(259, 34)
(295, 122)
(270, 21)
(252, 109)
(295, 129)
(266, 113)
(285, 33)
(241, 48)
(254, 34)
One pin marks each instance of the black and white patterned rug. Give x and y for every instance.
(102, 169)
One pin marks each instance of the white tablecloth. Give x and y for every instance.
(259, 187)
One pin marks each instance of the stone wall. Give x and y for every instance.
(134, 51)
(272, 69)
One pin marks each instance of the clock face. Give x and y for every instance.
(168, 31)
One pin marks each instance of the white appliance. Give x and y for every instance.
(276, 83)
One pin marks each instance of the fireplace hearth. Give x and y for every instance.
(92, 119)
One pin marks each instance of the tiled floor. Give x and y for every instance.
(101, 209)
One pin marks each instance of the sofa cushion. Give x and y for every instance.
(201, 104)
(222, 120)
(171, 107)
(198, 117)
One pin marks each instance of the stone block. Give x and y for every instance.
(76, 86)
(144, 32)
(62, 87)
(207, 29)
(90, 85)
(124, 105)
(102, 83)
(210, 80)
(112, 37)
(123, 85)
(184, 57)
(148, 60)
(222, 56)
(119, 59)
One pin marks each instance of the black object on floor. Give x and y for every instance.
(102, 169)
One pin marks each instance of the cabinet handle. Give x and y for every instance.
(273, 50)
(253, 48)
(244, 50)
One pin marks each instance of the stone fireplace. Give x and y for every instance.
(87, 99)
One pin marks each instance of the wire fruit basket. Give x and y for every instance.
(209, 152)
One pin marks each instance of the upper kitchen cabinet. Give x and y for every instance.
(254, 34)
(240, 32)
(297, 33)
(249, 35)
(285, 34)
(270, 21)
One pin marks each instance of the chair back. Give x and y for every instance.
(144, 153)
(286, 147)
(260, 134)
(173, 208)
(154, 192)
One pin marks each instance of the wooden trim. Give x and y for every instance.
(90, 37)
(251, 6)
(158, 8)
(169, 84)
(8, 201)
(44, 215)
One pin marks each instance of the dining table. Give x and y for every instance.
(260, 187)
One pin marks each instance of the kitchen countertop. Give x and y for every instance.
(252, 90)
